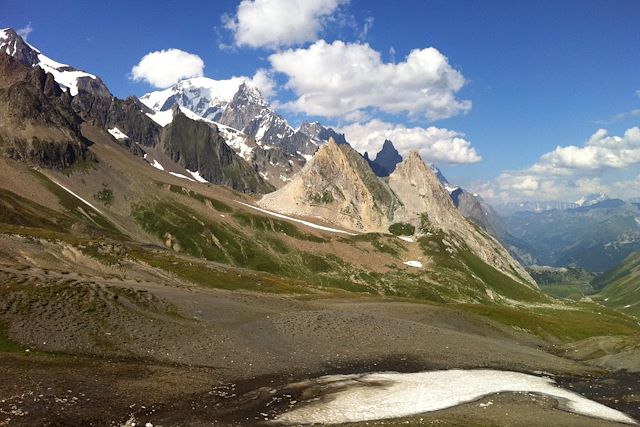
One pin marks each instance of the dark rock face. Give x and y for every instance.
(386, 159)
(20, 50)
(28, 56)
(198, 146)
(37, 123)
(320, 134)
(129, 116)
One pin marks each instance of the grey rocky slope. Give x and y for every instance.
(199, 147)
(37, 124)
(339, 186)
(43, 105)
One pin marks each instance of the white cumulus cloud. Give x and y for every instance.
(601, 151)
(338, 79)
(569, 172)
(164, 68)
(278, 23)
(435, 145)
(263, 80)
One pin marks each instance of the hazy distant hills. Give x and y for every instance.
(595, 237)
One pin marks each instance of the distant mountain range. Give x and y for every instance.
(594, 236)
(509, 208)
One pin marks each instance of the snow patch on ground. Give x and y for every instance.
(179, 175)
(236, 140)
(366, 397)
(406, 239)
(156, 164)
(307, 157)
(162, 118)
(77, 196)
(261, 131)
(117, 133)
(451, 189)
(196, 175)
(416, 264)
(307, 223)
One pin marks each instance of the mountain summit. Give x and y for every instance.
(386, 160)
(337, 183)
(69, 78)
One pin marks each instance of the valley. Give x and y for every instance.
(187, 258)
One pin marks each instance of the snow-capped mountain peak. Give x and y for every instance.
(592, 199)
(206, 97)
(66, 76)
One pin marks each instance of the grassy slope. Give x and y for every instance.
(620, 287)
(571, 283)
(218, 243)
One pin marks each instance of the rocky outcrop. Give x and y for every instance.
(91, 100)
(337, 184)
(37, 123)
(386, 159)
(128, 116)
(425, 199)
(12, 44)
(274, 165)
(198, 146)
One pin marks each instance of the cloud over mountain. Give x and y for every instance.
(164, 68)
(339, 78)
(436, 145)
(571, 171)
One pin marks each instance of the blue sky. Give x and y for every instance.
(538, 74)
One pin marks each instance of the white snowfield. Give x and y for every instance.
(307, 223)
(162, 118)
(406, 239)
(416, 264)
(386, 395)
(117, 134)
(66, 79)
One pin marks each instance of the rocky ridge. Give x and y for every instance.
(37, 124)
(339, 186)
